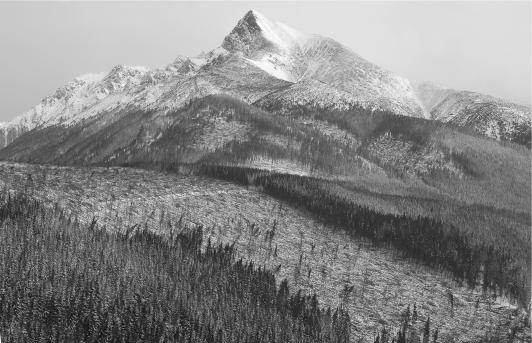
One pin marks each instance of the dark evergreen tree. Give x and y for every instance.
(426, 331)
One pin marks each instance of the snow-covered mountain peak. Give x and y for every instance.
(283, 36)
(255, 31)
(268, 45)
(261, 59)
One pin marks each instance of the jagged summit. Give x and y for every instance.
(294, 56)
(255, 31)
(274, 47)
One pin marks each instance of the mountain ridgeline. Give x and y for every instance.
(275, 66)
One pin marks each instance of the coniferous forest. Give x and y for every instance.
(181, 311)
(435, 243)
(62, 282)
(65, 282)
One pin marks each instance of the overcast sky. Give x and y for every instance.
(480, 46)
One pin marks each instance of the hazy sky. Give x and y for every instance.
(481, 46)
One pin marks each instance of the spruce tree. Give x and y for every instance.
(426, 331)
(435, 336)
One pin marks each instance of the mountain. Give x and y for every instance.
(258, 57)
(297, 57)
(494, 117)
(392, 164)
(304, 120)
(85, 95)
(276, 68)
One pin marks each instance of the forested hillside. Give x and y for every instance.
(497, 269)
(89, 285)
(371, 279)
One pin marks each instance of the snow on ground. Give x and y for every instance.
(280, 34)
(279, 165)
(271, 65)
(312, 256)
(218, 132)
(395, 152)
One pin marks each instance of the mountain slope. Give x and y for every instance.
(373, 149)
(493, 117)
(123, 197)
(78, 99)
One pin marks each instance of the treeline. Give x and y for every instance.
(425, 239)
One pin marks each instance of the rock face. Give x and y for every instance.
(278, 68)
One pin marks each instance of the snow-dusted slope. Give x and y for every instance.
(93, 94)
(494, 117)
(73, 100)
(65, 101)
(271, 46)
(306, 95)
